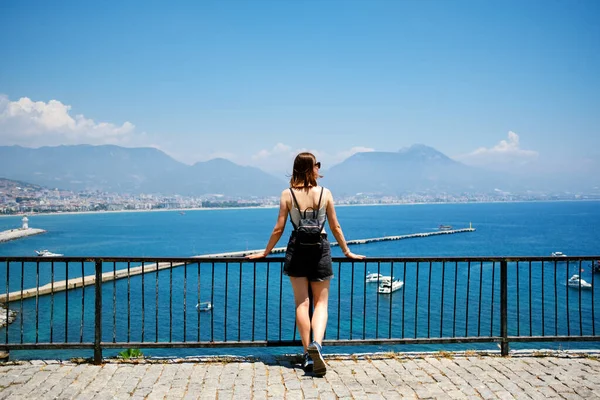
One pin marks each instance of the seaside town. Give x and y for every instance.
(22, 198)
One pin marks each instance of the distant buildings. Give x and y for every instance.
(18, 199)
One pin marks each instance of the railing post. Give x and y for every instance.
(504, 347)
(98, 313)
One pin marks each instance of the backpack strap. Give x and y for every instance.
(315, 212)
(319, 204)
(297, 205)
(319, 208)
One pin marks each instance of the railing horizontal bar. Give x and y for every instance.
(180, 345)
(361, 342)
(46, 346)
(280, 259)
(283, 343)
(572, 338)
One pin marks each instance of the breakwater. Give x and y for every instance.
(277, 250)
(6, 317)
(73, 283)
(19, 233)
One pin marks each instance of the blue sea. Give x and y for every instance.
(502, 229)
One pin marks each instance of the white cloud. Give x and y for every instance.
(278, 150)
(276, 160)
(279, 159)
(510, 147)
(504, 153)
(36, 123)
(341, 156)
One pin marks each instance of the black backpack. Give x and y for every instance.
(308, 231)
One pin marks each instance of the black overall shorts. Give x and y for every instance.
(314, 269)
(299, 262)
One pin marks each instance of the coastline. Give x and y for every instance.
(277, 206)
(136, 211)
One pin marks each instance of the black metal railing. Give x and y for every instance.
(124, 302)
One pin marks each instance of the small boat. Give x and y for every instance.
(445, 227)
(204, 306)
(558, 254)
(375, 277)
(576, 282)
(47, 253)
(388, 286)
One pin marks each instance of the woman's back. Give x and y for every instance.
(308, 200)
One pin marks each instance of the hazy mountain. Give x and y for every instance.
(7, 185)
(418, 168)
(225, 177)
(131, 170)
(110, 168)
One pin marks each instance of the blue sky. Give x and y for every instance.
(499, 84)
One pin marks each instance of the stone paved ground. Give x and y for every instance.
(369, 377)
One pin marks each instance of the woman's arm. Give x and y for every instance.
(277, 230)
(336, 229)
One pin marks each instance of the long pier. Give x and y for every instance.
(73, 283)
(276, 250)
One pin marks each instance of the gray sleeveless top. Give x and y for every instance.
(295, 213)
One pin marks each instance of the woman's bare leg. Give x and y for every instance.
(300, 287)
(320, 292)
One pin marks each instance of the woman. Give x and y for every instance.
(306, 264)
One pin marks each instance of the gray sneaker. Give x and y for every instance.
(307, 363)
(319, 367)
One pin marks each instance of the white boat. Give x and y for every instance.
(375, 277)
(47, 253)
(204, 306)
(558, 254)
(388, 286)
(576, 282)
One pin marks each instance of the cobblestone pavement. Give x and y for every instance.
(423, 377)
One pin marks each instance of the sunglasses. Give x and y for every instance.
(318, 164)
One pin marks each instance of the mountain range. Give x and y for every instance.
(131, 170)
(418, 168)
(110, 168)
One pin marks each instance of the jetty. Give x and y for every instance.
(276, 250)
(73, 283)
(19, 233)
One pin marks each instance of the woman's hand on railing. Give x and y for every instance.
(355, 256)
(254, 256)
